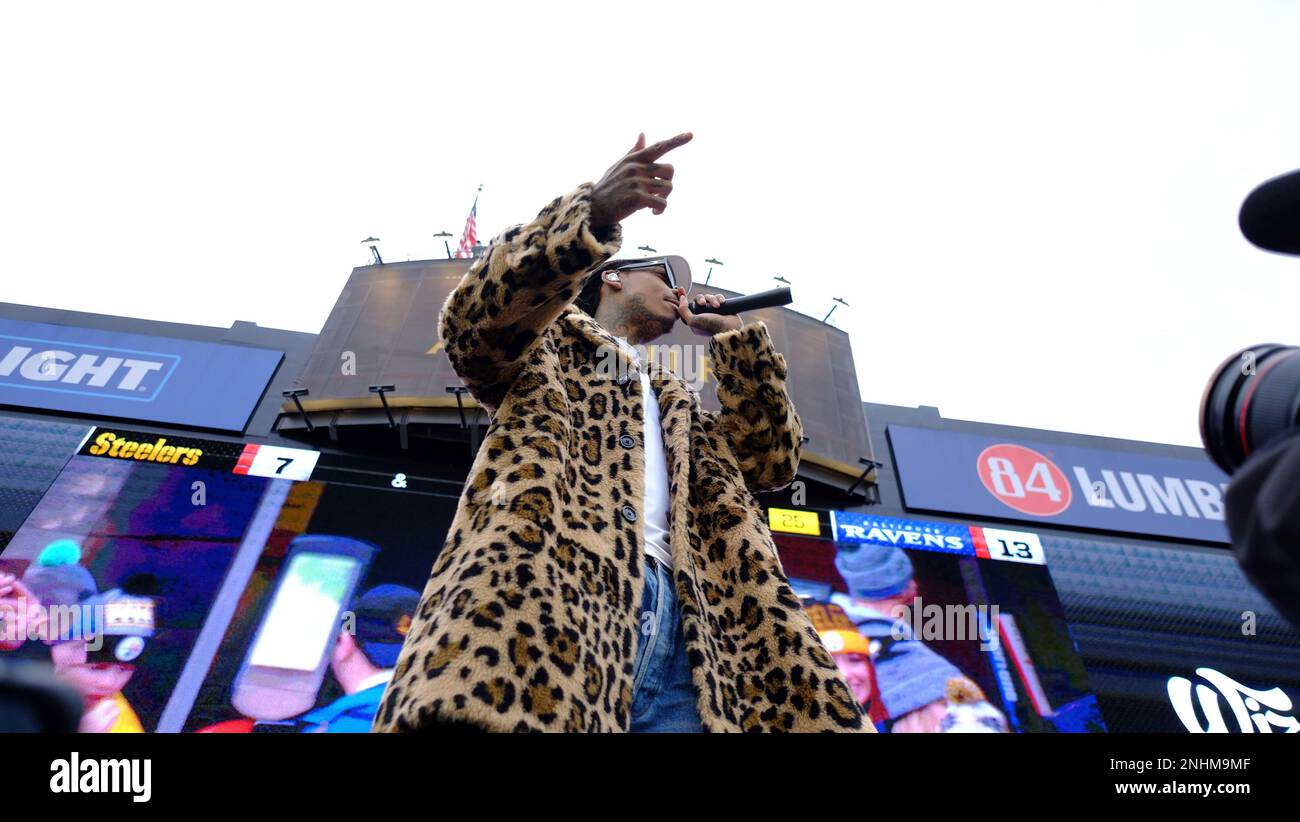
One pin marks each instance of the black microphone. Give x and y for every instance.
(750, 302)
(1270, 216)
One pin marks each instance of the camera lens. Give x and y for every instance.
(1252, 400)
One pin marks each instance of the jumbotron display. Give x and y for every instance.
(217, 586)
(182, 584)
(938, 628)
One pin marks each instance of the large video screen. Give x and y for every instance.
(938, 628)
(217, 586)
(212, 586)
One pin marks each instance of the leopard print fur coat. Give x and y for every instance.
(529, 620)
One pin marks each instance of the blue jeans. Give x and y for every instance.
(663, 697)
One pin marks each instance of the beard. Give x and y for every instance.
(642, 324)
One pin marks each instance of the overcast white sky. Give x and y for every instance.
(1031, 207)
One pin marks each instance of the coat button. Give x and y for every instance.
(626, 441)
(629, 513)
(623, 380)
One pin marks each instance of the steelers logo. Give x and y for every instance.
(128, 648)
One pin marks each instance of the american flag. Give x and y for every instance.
(470, 237)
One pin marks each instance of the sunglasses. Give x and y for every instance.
(676, 271)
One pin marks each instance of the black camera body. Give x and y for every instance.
(1252, 401)
(1250, 418)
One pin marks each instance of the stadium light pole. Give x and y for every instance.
(712, 262)
(373, 242)
(838, 302)
(446, 241)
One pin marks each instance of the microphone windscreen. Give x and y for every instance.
(1270, 216)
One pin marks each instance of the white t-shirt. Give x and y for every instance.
(654, 513)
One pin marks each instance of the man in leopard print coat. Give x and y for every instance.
(530, 618)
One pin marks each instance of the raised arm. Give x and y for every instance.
(529, 273)
(511, 294)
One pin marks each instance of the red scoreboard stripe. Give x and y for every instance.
(246, 458)
(977, 537)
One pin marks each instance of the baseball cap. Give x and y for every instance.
(383, 618)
